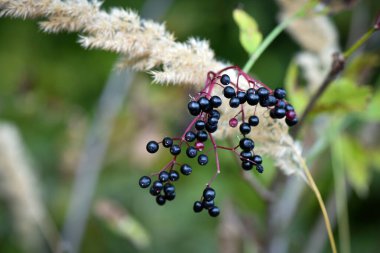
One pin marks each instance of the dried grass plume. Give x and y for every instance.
(144, 44)
(18, 185)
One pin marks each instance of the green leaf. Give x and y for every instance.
(372, 113)
(356, 163)
(250, 36)
(343, 96)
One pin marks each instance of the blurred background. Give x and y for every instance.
(50, 95)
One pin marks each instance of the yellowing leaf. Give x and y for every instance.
(343, 96)
(250, 36)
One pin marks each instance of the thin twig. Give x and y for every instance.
(336, 67)
(359, 43)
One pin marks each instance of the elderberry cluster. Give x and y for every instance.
(205, 124)
(273, 100)
(204, 108)
(207, 202)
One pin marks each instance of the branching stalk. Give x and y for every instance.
(359, 43)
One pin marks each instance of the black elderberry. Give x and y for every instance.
(289, 107)
(207, 204)
(241, 96)
(279, 93)
(246, 165)
(191, 152)
(197, 207)
(160, 200)
(271, 114)
(225, 79)
(204, 104)
(144, 182)
(152, 147)
(209, 194)
(215, 101)
(202, 159)
(264, 102)
(246, 144)
(251, 91)
(190, 136)
(259, 168)
(186, 169)
(163, 176)
(229, 92)
(211, 128)
(253, 120)
(194, 108)
(245, 128)
(169, 189)
(202, 136)
(173, 175)
(234, 102)
(257, 159)
(214, 114)
(291, 122)
(212, 121)
(200, 125)
(175, 149)
(167, 142)
(246, 155)
(170, 197)
(252, 98)
(153, 191)
(272, 101)
(279, 113)
(214, 211)
(263, 92)
(157, 185)
(281, 104)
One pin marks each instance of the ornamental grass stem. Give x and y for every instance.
(315, 189)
